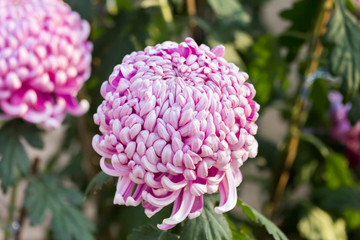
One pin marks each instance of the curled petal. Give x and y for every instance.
(228, 194)
(108, 169)
(150, 210)
(172, 186)
(197, 207)
(160, 201)
(181, 212)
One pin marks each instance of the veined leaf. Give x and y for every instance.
(13, 157)
(150, 232)
(343, 38)
(255, 216)
(47, 194)
(209, 225)
(97, 182)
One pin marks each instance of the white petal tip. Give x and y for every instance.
(194, 214)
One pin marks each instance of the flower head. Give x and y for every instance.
(177, 122)
(342, 130)
(44, 60)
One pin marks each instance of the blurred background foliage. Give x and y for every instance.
(308, 188)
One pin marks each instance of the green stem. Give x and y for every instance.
(12, 209)
(299, 111)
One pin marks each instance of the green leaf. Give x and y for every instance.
(343, 39)
(302, 16)
(97, 182)
(209, 225)
(230, 9)
(150, 232)
(269, 78)
(239, 232)
(317, 143)
(337, 171)
(343, 198)
(84, 8)
(317, 224)
(13, 157)
(354, 113)
(255, 216)
(351, 5)
(48, 194)
(352, 219)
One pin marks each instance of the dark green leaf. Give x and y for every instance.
(48, 194)
(84, 7)
(317, 143)
(13, 157)
(354, 113)
(31, 134)
(319, 112)
(255, 216)
(343, 38)
(303, 17)
(230, 9)
(209, 225)
(150, 232)
(337, 171)
(97, 182)
(342, 198)
(238, 232)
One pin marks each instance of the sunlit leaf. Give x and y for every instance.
(209, 225)
(269, 78)
(317, 224)
(337, 171)
(256, 216)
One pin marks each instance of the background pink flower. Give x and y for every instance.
(177, 122)
(44, 60)
(342, 131)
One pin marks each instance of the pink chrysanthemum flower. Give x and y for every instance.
(342, 131)
(44, 60)
(177, 122)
